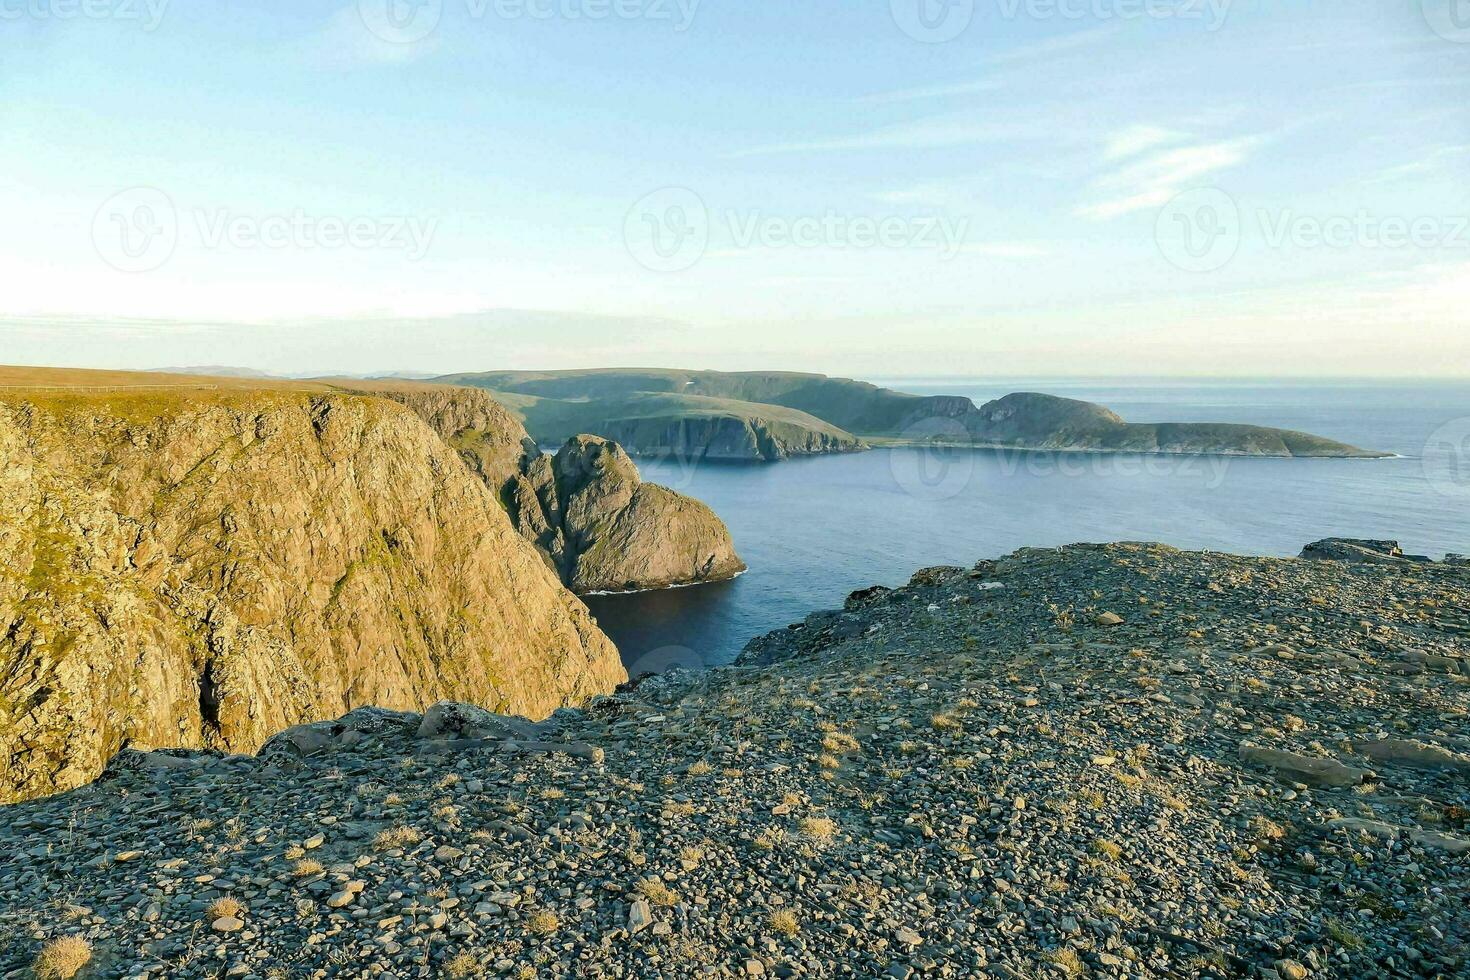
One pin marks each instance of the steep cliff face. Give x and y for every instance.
(207, 568)
(729, 437)
(587, 511)
(621, 533)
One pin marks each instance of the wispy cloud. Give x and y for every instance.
(1137, 139)
(1049, 49)
(1053, 46)
(934, 91)
(1155, 178)
(1438, 162)
(932, 133)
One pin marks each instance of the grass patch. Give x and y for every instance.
(784, 922)
(397, 837)
(63, 958)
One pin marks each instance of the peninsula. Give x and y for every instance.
(774, 415)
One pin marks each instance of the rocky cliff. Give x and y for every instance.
(608, 531)
(203, 566)
(597, 524)
(727, 436)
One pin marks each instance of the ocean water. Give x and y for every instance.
(813, 530)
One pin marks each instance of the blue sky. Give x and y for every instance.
(1063, 186)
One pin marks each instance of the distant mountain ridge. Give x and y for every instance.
(774, 415)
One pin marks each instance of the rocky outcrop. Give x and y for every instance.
(1360, 551)
(726, 437)
(205, 568)
(596, 523)
(608, 531)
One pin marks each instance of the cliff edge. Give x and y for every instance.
(200, 564)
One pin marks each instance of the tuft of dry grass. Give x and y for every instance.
(770, 839)
(62, 958)
(1067, 961)
(700, 768)
(543, 922)
(945, 723)
(224, 908)
(307, 867)
(1107, 849)
(462, 966)
(784, 922)
(839, 743)
(657, 892)
(818, 828)
(396, 837)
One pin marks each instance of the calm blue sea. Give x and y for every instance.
(813, 530)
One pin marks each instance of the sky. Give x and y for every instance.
(862, 187)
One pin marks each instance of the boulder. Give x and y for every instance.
(455, 720)
(1413, 754)
(1359, 550)
(1312, 770)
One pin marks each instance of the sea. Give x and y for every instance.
(814, 529)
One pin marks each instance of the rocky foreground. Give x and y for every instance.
(1113, 761)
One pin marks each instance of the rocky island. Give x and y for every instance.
(1103, 760)
(774, 415)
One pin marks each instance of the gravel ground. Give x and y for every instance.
(1112, 761)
